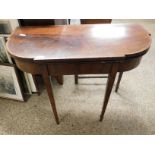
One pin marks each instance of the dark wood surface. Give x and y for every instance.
(86, 42)
(82, 49)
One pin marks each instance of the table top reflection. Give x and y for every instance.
(76, 42)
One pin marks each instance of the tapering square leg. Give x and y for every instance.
(60, 79)
(110, 82)
(118, 81)
(36, 84)
(76, 79)
(51, 97)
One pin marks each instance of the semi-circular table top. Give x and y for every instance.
(79, 42)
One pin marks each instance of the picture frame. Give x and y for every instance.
(5, 27)
(9, 83)
(4, 56)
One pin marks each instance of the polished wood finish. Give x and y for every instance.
(84, 42)
(79, 49)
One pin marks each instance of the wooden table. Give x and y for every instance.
(79, 49)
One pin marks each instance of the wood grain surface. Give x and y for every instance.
(84, 42)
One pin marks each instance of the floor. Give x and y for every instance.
(130, 111)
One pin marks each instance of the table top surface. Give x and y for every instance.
(79, 42)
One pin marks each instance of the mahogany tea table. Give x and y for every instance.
(79, 49)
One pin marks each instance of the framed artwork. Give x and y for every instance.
(5, 27)
(9, 83)
(4, 56)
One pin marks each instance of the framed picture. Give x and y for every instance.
(9, 83)
(4, 56)
(5, 27)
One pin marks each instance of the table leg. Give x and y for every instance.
(76, 79)
(118, 82)
(110, 82)
(36, 84)
(50, 94)
(59, 79)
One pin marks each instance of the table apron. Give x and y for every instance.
(91, 67)
(70, 68)
(129, 64)
(78, 68)
(30, 67)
